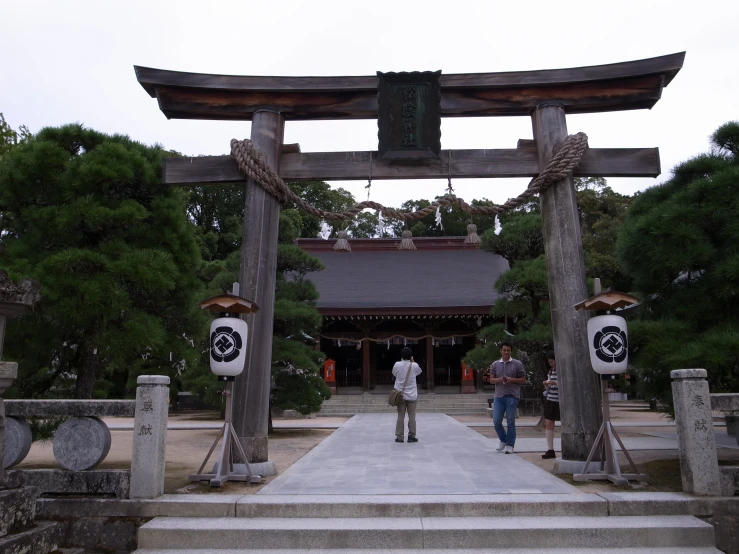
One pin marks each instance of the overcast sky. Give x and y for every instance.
(72, 61)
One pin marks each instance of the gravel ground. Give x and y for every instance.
(187, 449)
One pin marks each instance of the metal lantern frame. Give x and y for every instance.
(610, 470)
(227, 305)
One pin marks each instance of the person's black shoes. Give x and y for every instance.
(401, 440)
(549, 454)
(411, 438)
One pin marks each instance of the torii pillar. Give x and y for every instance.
(257, 282)
(578, 383)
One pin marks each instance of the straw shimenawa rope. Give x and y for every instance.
(252, 163)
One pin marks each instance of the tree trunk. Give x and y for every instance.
(87, 373)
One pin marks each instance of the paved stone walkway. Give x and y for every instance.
(362, 458)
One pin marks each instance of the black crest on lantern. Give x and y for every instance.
(610, 344)
(225, 344)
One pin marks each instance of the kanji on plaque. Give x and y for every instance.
(408, 115)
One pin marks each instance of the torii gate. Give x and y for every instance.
(546, 96)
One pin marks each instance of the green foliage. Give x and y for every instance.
(454, 220)
(295, 364)
(43, 429)
(524, 304)
(320, 195)
(87, 216)
(679, 244)
(217, 211)
(9, 138)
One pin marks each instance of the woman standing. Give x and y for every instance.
(551, 404)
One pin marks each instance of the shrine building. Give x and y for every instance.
(376, 299)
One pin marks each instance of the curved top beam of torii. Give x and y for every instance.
(601, 88)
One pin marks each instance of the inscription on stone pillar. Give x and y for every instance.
(150, 436)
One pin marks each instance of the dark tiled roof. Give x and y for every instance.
(407, 279)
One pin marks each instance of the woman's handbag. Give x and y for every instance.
(396, 396)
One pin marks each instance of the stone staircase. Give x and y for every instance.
(434, 524)
(19, 533)
(450, 404)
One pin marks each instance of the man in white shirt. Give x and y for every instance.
(405, 372)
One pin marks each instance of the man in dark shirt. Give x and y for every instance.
(507, 374)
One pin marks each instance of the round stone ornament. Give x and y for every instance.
(17, 441)
(81, 443)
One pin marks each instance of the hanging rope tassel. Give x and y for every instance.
(407, 242)
(341, 243)
(472, 236)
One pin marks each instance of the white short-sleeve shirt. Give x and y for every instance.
(400, 370)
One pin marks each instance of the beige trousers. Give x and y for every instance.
(409, 405)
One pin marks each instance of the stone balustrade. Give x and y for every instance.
(70, 408)
(83, 440)
(80, 442)
(725, 402)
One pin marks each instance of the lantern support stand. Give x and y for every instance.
(610, 469)
(225, 466)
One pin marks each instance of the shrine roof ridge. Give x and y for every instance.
(389, 244)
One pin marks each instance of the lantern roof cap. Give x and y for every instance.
(229, 303)
(607, 300)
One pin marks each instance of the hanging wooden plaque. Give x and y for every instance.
(409, 115)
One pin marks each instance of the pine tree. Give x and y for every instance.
(87, 216)
(295, 363)
(680, 245)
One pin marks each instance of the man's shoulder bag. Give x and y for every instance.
(396, 396)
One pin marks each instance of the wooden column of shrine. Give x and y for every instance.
(366, 344)
(429, 369)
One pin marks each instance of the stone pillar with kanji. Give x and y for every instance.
(694, 423)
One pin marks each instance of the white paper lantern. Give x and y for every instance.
(609, 344)
(228, 346)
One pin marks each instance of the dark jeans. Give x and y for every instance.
(506, 405)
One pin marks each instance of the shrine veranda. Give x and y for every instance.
(409, 149)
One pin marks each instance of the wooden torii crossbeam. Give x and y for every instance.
(546, 96)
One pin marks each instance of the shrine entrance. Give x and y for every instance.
(408, 107)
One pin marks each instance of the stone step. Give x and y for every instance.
(44, 537)
(347, 413)
(462, 505)
(676, 550)
(384, 406)
(359, 399)
(420, 404)
(17, 509)
(444, 533)
(460, 399)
